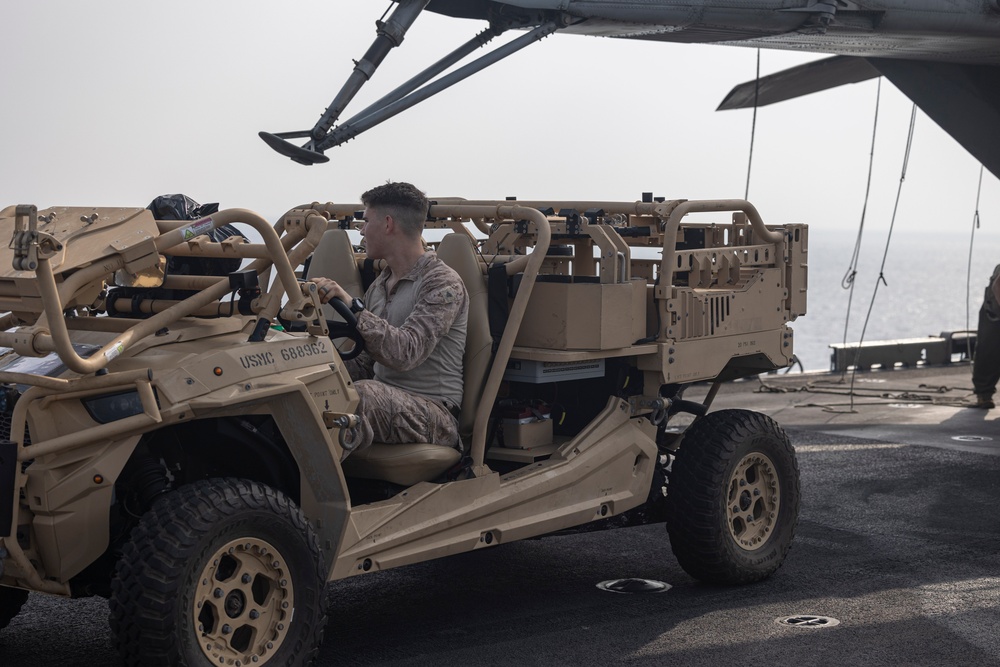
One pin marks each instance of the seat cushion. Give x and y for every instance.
(401, 464)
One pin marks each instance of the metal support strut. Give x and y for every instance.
(390, 34)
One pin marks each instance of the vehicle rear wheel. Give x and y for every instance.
(221, 571)
(11, 601)
(733, 498)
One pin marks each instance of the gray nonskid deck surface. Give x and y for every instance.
(922, 406)
(898, 539)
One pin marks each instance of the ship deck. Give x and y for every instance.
(925, 406)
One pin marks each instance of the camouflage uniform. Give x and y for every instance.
(986, 364)
(409, 377)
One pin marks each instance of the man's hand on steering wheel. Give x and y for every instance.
(330, 289)
(332, 293)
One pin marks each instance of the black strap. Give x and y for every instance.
(367, 273)
(259, 330)
(9, 468)
(496, 290)
(451, 407)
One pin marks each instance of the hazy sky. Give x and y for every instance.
(112, 102)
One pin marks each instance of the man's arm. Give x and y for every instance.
(403, 348)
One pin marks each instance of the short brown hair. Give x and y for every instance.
(403, 201)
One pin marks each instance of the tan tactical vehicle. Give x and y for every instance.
(173, 441)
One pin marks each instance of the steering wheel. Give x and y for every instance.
(346, 329)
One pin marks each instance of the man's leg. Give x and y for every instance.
(361, 367)
(986, 365)
(393, 416)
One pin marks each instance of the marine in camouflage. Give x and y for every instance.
(410, 376)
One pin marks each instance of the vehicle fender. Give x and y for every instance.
(69, 496)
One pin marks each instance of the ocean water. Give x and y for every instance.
(927, 289)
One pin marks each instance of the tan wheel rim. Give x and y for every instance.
(753, 501)
(244, 603)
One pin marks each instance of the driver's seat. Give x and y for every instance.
(334, 259)
(407, 464)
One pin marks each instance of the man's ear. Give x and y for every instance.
(390, 225)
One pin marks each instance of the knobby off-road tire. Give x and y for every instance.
(221, 571)
(11, 601)
(733, 498)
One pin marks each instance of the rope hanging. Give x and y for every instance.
(753, 126)
(968, 275)
(885, 254)
(852, 270)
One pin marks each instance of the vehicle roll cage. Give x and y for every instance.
(64, 261)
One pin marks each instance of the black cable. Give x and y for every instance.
(386, 13)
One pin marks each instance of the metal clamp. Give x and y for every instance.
(658, 405)
(28, 243)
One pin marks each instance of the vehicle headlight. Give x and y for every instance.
(112, 407)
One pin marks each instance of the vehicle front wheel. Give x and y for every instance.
(221, 571)
(733, 498)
